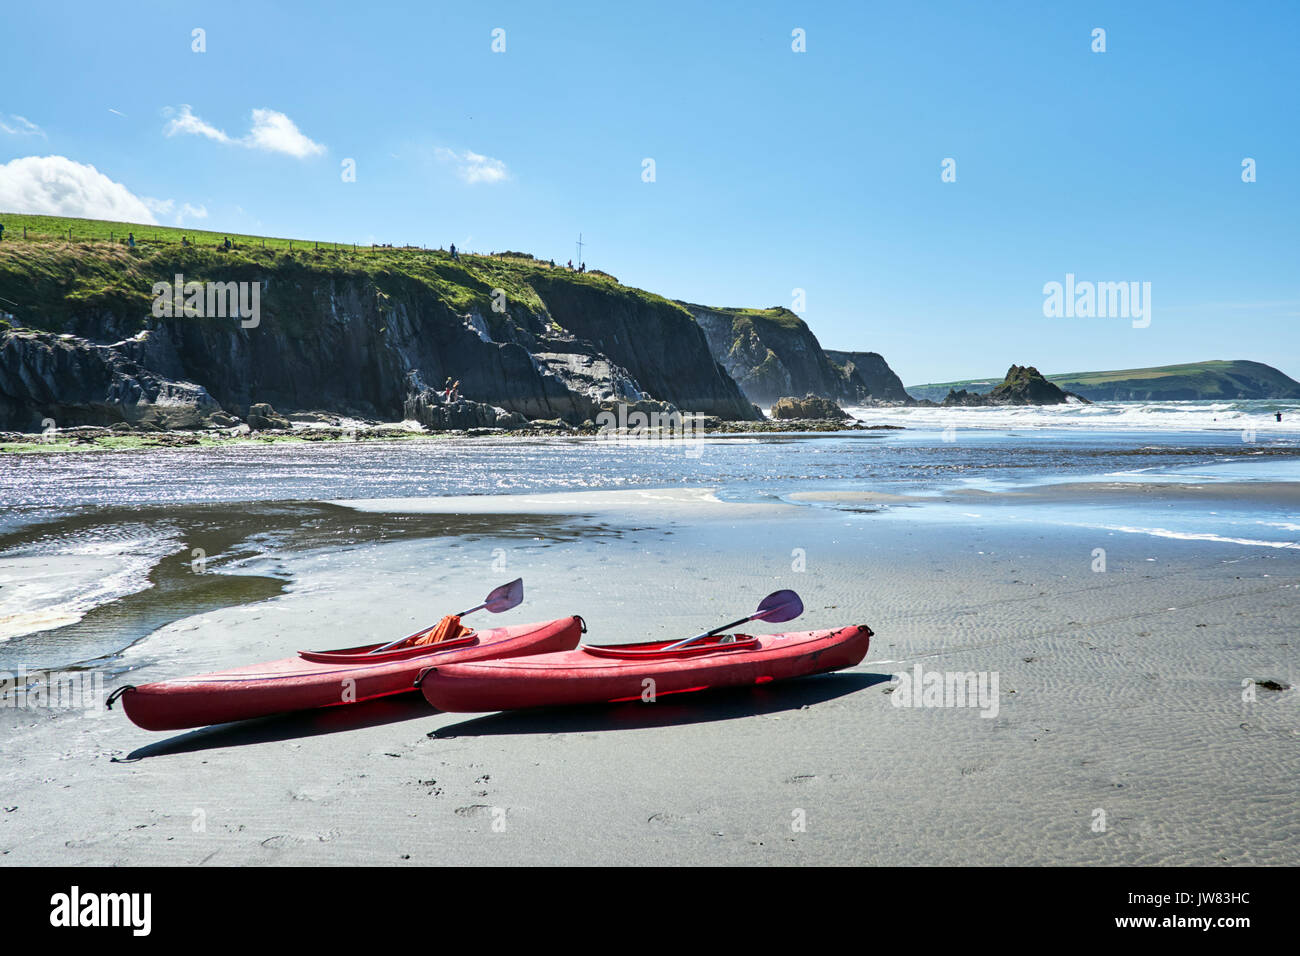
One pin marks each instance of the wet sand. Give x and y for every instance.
(1119, 691)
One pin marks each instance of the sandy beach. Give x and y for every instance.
(1124, 696)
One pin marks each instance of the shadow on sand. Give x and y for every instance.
(306, 723)
(669, 711)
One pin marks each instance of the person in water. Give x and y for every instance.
(1279, 415)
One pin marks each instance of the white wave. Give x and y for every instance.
(52, 584)
(1200, 536)
(1243, 417)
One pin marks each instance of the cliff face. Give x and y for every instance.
(354, 333)
(657, 341)
(875, 374)
(772, 353)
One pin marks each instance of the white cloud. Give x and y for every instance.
(271, 131)
(16, 125)
(474, 167)
(277, 133)
(186, 122)
(58, 186)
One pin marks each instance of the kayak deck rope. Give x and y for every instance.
(116, 694)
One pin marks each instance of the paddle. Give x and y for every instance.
(776, 607)
(501, 599)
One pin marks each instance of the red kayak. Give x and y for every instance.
(609, 674)
(326, 678)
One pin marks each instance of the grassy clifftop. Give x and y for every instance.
(58, 276)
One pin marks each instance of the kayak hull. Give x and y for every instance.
(616, 673)
(326, 678)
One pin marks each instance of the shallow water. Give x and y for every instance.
(40, 485)
(97, 549)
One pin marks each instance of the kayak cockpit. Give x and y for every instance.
(657, 650)
(363, 655)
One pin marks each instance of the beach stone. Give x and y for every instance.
(809, 407)
(262, 417)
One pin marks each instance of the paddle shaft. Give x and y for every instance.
(700, 637)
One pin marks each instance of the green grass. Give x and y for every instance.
(775, 315)
(102, 230)
(95, 267)
(1162, 371)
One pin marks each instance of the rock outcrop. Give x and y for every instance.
(262, 417)
(811, 407)
(1023, 385)
(68, 381)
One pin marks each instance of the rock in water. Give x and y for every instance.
(1024, 385)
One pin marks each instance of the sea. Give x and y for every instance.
(91, 543)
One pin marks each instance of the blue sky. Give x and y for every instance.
(775, 170)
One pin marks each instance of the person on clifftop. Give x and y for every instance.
(453, 251)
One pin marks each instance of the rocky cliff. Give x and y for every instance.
(875, 374)
(772, 353)
(372, 333)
